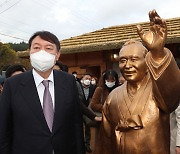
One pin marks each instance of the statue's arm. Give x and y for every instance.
(162, 66)
(155, 38)
(166, 81)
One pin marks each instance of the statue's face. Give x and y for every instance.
(132, 62)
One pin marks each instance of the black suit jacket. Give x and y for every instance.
(90, 95)
(23, 128)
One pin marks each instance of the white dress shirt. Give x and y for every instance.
(40, 87)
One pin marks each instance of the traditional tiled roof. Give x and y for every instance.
(113, 37)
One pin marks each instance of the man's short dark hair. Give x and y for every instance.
(47, 36)
(62, 66)
(87, 73)
(13, 68)
(74, 72)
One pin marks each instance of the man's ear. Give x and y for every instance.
(58, 55)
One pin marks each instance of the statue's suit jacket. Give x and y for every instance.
(23, 128)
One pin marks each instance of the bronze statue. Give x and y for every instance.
(136, 114)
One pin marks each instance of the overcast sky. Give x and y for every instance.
(69, 18)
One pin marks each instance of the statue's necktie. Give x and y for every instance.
(48, 105)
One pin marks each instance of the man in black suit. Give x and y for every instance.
(35, 119)
(85, 97)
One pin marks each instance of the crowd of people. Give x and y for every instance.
(47, 110)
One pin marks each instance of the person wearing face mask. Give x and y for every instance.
(86, 93)
(94, 82)
(109, 82)
(88, 89)
(39, 109)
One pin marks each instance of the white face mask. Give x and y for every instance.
(109, 84)
(93, 82)
(42, 60)
(75, 75)
(87, 82)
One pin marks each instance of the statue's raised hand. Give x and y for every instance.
(155, 38)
